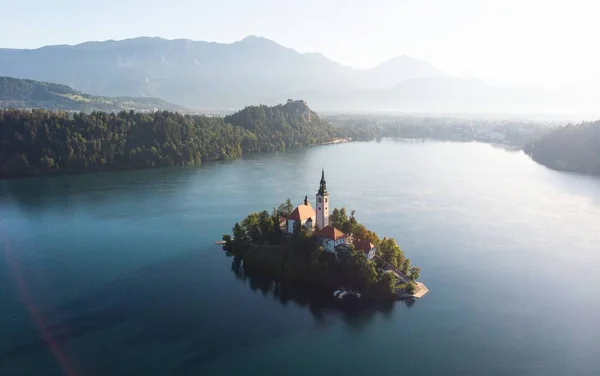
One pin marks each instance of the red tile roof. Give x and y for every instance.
(363, 245)
(332, 233)
(302, 212)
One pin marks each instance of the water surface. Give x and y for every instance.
(121, 270)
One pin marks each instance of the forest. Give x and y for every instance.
(41, 142)
(573, 148)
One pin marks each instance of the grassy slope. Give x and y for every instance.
(22, 93)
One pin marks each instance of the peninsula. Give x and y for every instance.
(41, 142)
(328, 250)
(571, 148)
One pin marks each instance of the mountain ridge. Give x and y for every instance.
(213, 76)
(187, 72)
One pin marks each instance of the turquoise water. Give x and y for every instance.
(122, 273)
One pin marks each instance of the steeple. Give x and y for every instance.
(323, 185)
(322, 203)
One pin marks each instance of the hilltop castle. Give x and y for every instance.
(331, 238)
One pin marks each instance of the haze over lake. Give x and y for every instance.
(122, 271)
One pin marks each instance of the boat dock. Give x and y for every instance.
(420, 291)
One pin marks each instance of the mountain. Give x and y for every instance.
(451, 95)
(396, 70)
(21, 93)
(200, 74)
(42, 142)
(223, 76)
(573, 148)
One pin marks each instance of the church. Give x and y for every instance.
(318, 220)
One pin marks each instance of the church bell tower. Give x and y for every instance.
(322, 203)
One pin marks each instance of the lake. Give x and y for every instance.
(118, 274)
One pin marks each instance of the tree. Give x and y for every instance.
(275, 232)
(334, 217)
(266, 226)
(391, 252)
(239, 235)
(352, 222)
(407, 287)
(415, 273)
(339, 218)
(251, 225)
(386, 283)
(405, 266)
(360, 231)
(228, 242)
(286, 208)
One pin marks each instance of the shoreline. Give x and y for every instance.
(420, 291)
(336, 141)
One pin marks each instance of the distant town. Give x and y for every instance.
(512, 132)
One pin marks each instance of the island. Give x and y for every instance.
(333, 251)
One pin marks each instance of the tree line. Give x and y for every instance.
(41, 142)
(571, 148)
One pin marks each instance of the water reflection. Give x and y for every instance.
(355, 313)
(35, 195)
(167, 304)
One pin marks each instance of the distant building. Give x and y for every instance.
(331, 237)
(367, 247)
(322, 203)
(304, 214)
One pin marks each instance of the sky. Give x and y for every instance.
(524, 43)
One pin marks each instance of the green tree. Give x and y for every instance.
(251, 225)
(386, 283)
(361, 232)
(286, 208)
(352, 222)
(407, 287)
(405, 266)
(266, 226)
(339, 218)
(391, 252)
(415, 273)
(275, 232)
(228, 241)
(239, 235)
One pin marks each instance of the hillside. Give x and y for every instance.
(573, 148)
(201, 74)
(22, 93)
(41, 142)
(283, 126)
